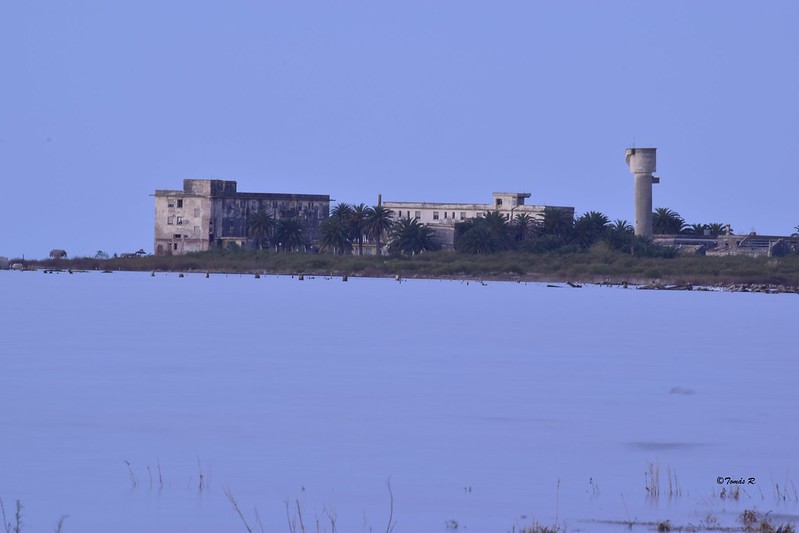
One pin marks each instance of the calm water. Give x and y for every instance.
(481, 404)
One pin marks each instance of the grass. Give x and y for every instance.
(16, 525)
(592, 266)
(753, 521)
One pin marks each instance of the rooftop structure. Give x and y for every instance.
(208, 214)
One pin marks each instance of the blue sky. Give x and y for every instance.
(103, 102)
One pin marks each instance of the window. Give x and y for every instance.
(435, 215)
(463, 215)
(170, 202)
(180, 221)
(174, 246)
(418, 214)
(499, 202)
(196, 230)
(170, 220)
(197, 212)
(453, 215)
(180, 202)
(445, 215)
(176, 236)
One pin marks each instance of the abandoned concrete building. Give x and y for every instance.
(442, 217)
(209, 214)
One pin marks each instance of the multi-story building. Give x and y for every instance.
(212, 213)
(442, 217)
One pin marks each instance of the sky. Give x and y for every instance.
(102, 103)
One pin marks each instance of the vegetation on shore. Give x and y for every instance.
(589, 248)
(597, 264)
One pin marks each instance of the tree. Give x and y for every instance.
(524, 227)
(621, 226)
(620, 235)
(485, 234)
(795, 234)
(101, 255)
(378, 224)
(558, 223)
(695, 229)
(717, 228)
(358, 217)
(335, 236)
(667, 222)
(589, 228)
(290, 234)
(261, 226)
(342, 210)
(409, 237)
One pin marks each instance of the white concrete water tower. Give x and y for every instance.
(642, 164)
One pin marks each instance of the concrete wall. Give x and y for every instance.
(182, 223)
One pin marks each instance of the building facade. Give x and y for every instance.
(209, 214)
(442, 217)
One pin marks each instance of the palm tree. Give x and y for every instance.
(717, 228)
(342, 210)
(335, 236)
(620, 235)
(557, 223)
(358, 216)
(261, 226)
(290, 234)
(409, 237)
(621, 226)
(696, 229)
(796, 233)
(590, 227)
(524, 226)
(479, 239)
(378, 223)
(666, 221)
(485, 234)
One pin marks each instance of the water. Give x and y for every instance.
(488, 405)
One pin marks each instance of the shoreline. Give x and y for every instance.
(666, 284)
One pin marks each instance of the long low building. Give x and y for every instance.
(212, 213)
(442, 216)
